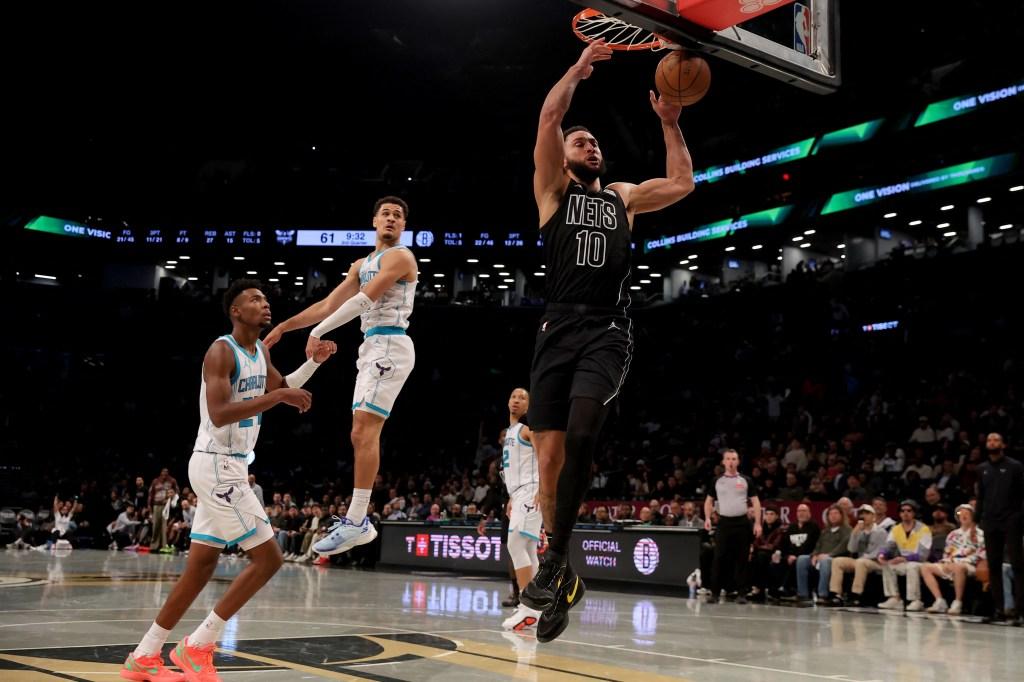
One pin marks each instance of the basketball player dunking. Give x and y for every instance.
(584, 341)
(239, 383)
(380, 290)
(519, 471)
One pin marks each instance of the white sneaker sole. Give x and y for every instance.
(360, 539)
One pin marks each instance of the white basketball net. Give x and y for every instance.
(618, 34)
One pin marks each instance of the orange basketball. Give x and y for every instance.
(682, 78)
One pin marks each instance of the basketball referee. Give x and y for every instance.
(732, 490)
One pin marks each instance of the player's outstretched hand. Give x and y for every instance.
(273, 337)
(296, 397)
(666, 111)
(597, 51)
(324, 350)
(312, 345)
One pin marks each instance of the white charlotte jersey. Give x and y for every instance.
(518, 462)
(248, 381)
(391, 311)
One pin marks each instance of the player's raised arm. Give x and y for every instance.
(399, 264)
(657, 193)
(218, 365)
(300, 376)
(319, 310)
(548, 155)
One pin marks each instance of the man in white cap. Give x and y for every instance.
(866, 541)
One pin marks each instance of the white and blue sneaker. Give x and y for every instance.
(343, 535)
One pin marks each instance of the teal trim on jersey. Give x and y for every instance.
(238, 367)
(529, 535)
(523, 442)
(252, 356)
(377, 408)
(384, 331)
(214, 538)
(223, 454)
(355, 405)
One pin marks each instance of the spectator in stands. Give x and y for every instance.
(940, 528)
(646, 517)
(690, 517)
(172, 520)
(947, 481)
(908, 544)
(62, 514)
(924, 433)
(122, 529)
(866, 541)
(832, 543)
(392, 514)
(139, 495)
(816, 492)
(294, 533)
(792, 491)
(892, 460)
(796, 455)
(800, 540)
(948, 428)
(159, 492)
(765, 567)
(882, 519)
(435, 513)
(624, 513)
(854, 490)
(932, 497)
(257, 489)
(964, 547)
(920, 466)
(601, 515)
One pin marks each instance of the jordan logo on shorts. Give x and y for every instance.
(226, 496)
(382, 369)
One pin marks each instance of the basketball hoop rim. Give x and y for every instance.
(651, 42)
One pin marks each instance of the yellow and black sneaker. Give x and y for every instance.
(539, 594)
(568, 593)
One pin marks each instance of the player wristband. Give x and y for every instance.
(346, 312)
(300, 376)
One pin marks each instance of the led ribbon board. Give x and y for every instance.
(722, 228)
(941, 178)
(67, 228)
(862, 132)
(792, 152)
(958, 106)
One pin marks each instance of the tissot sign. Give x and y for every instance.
(644, 555)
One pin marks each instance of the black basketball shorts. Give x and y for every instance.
(577, 355)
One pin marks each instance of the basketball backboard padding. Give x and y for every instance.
(772, 43)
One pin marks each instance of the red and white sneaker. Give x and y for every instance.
(524, 618)
(148, 669)
(196, 662)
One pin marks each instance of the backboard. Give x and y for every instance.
(793, 41)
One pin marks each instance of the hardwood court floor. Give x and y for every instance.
(76, 617)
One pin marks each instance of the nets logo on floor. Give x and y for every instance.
(646, 556)
(454, 546)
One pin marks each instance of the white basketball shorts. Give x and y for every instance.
(228, 512)
(385, 362)
(525, 517)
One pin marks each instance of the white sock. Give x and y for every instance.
(153, 642)
(357, 510)
(208, 631)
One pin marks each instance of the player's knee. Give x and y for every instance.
(517, 550)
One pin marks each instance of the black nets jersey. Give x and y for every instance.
(587, 248)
